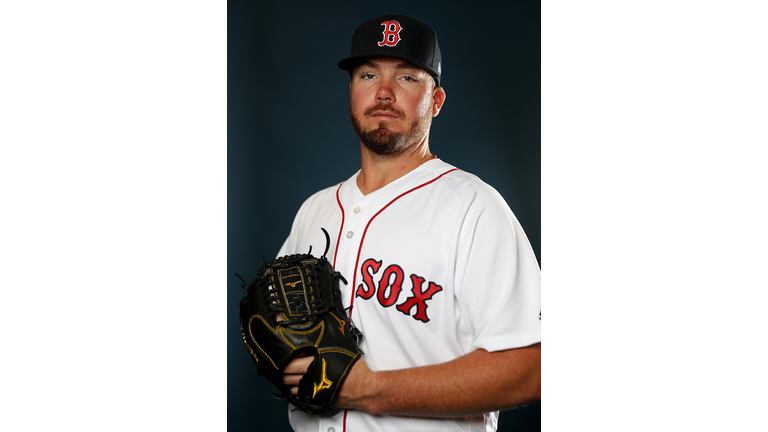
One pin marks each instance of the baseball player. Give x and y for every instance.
(442, 280)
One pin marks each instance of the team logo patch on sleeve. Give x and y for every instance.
(391, 33)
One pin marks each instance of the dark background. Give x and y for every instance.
(288, 107)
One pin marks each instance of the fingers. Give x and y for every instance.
(298, 365)
(294, 371)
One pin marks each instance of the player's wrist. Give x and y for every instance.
(360, 390)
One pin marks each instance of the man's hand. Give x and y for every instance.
(296, 368)
(352, 393)
(475, 383)
(294, 371)
(293, 308)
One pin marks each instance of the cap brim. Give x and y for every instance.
(350, 62)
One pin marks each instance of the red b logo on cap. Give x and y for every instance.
(391, 33)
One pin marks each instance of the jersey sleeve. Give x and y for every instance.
(305, 230)
(498, 277)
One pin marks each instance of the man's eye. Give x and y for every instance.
(409, 78)
(366, 76)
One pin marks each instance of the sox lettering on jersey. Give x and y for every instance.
(391, 284)
(391, 33)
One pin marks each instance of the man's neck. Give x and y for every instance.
(378, 171)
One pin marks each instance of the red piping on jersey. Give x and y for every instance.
(362, 240)
(335, 254)
(341, 229)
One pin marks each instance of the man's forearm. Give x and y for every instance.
(476, 383)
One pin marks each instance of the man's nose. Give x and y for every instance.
(385, 91)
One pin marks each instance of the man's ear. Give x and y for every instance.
(438, 98)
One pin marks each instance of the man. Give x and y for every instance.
(442, 280)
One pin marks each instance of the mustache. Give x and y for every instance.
(383, 106)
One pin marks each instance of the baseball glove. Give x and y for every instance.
(304, 292)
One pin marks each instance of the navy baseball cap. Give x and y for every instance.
(396, 36)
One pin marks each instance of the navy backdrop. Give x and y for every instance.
(288, 106)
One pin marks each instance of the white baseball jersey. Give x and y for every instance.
(437, 266)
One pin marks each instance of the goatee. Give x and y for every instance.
(385, 142)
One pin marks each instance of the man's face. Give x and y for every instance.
(392, 103)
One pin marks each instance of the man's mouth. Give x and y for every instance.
(383, 111)
(383, 115)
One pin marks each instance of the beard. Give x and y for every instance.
(385, 142)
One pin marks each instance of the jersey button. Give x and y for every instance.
(331, 430)
(356, 210)
(350, 234)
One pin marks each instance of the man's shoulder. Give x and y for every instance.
(457, 176)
